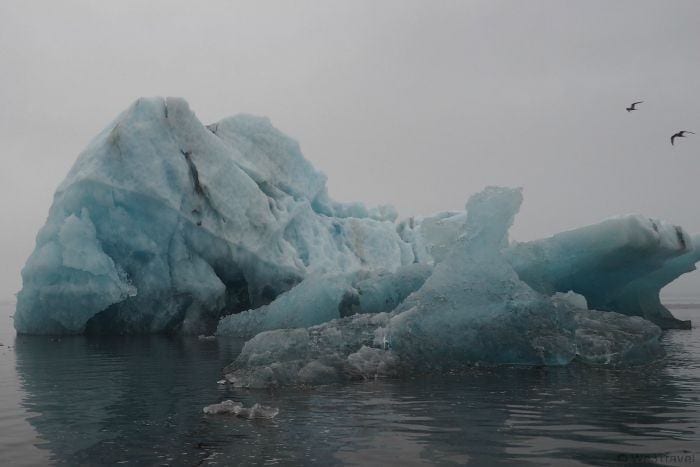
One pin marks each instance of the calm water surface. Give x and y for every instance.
(138, 401)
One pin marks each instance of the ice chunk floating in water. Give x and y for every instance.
(473, 309)
(237, 409)
(166, 225)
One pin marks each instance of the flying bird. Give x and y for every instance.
(680, 134)
(632, 106)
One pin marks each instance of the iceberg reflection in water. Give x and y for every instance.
(140, 399)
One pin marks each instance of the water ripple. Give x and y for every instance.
(139, 400)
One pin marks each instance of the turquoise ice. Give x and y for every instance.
(618, 265)
(164, 225)
(180, 224)
(472, 310)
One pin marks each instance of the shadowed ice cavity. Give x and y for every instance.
(318, 299)
(472, 309)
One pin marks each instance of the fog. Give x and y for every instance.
(413, 103)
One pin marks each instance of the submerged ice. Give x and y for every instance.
(166, 225)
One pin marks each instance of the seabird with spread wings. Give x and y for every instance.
(680, 134)
(632, 106)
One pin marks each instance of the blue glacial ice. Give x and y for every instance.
(318, 299)
(620, 264)
(472, 310)
(166, 225)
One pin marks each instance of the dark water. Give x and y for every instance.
(138, 401)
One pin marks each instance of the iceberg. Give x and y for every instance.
(165, 225)
(618, 265)
(472, 310)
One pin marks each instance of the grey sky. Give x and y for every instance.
(418, 104)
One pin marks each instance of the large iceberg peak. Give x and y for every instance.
(196, 222)
(269, 156)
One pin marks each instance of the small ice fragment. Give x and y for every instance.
(259, 411)
(237, 409)
(227, 406)
(202, 337)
